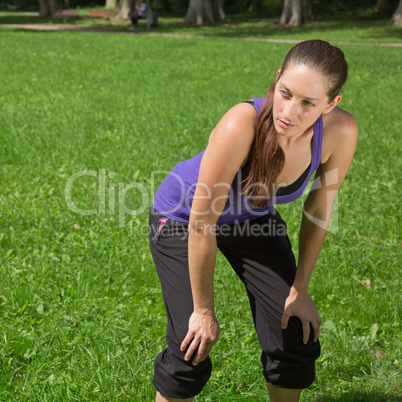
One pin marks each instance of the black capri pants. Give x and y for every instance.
(260, 252)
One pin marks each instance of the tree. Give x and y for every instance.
(397, 17)
(296, 12)
(125, 8)
(111, 4)
(219, 14)
(49, 7)
(200, 11)
(381, 5)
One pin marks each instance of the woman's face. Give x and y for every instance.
(300, 97)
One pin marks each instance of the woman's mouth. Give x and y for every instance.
(283, 124)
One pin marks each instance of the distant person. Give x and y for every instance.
(261, 153)
(139, 12)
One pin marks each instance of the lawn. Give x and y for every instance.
(238, 26)
(89, 125)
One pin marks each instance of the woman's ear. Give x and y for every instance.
(331, 105)
(278, 73)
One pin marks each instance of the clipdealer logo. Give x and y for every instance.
(107, 194)
(113, 197)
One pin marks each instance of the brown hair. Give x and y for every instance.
(266, 156)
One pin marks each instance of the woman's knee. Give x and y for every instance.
(292, 365)
(176, 378)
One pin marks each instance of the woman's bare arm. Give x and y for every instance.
(228, 147)
(339, 150)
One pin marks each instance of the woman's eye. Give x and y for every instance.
(308, 103)
(283, 93)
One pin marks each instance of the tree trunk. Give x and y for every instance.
(296, 12)
(49, 7)
(200, 11)
(44, 9)
(381, 4)
(308, 10)
(286, 12)
(296, 18)
(55, 5)
(397, 17)
(219, 14)
(111, 4)
(125, 8)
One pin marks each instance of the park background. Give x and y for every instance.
(81, 311)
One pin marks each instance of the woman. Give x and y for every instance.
(262, 152)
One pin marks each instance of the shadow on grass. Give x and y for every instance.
(81, 20)
(348, 30)
(6, 18)
(351, 30)
(27, 19)
(360, 396)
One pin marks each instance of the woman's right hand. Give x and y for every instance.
(203, 332)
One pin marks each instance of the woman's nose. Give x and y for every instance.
(290, 110)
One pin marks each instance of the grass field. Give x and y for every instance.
(81, 312)
(334, 29)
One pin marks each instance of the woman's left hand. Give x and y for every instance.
(300, 304)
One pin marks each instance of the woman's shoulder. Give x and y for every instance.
(339, 121)
(340, 131)
(231, 140)
(237, 124)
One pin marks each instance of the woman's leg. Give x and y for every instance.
(261, 254)
(161, 398)
(283, 394)
(174, 377)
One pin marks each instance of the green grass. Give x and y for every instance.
(81, 313)
(359, 30)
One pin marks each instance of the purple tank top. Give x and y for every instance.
(175, 194)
